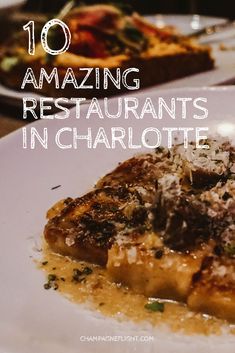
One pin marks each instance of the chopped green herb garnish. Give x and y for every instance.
(8, 63)
(51, 277)
(76, 275)
(133, 33)
(47, 285)
(52, 282)
(230, 250)
(155, 306)
(132, 38)
(159, 149)
(87, 271)
(79, 276)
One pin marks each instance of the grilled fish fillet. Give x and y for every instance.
(155, 221)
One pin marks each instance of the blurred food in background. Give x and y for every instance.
(104, 36)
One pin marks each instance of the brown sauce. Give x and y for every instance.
(114, 300)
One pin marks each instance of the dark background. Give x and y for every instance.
(220, 8)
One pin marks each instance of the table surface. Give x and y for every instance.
(10, 119)
(9, 124)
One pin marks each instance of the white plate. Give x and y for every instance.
(224, 73)
(186, 24)
(35, 320)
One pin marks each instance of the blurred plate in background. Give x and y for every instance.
(186, 24)
(6, 5)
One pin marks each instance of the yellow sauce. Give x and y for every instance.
(114, 300)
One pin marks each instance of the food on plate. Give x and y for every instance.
(104, 36)
(161, 224)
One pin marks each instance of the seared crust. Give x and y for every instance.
(142, 170)
(86, 228)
